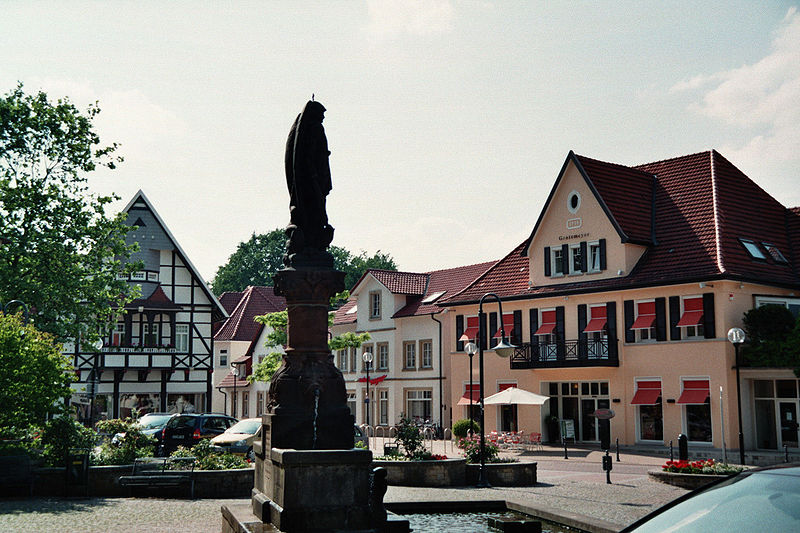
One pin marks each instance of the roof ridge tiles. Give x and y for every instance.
(668, 159)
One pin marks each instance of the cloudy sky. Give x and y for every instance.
(447, 121)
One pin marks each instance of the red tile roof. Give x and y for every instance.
(241, 379)
(448, 281)
(342, 316)
(399, 282)
(230, 300)
(241, 324)
(702, 205)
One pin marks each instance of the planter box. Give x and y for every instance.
(505, 474)
(456, 473)
(686, 481)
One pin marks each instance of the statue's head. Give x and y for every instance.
(314, 111)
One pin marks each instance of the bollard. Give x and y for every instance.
(785, 453)
(607, 467)
(617, 449)
(565, 449)
(671, 457)
(683, 447)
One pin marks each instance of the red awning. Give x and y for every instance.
(474, 398)
(692, 312)
(548, 323)
(508, 325)
(647, 393)
(473, 327)
(694, 391)
(598, 320)
(646, 316)
(374, 381)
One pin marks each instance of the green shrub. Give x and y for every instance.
(61, 434)
(131, 445)
(410, 437)
(472, 452)
(461, 427)
(209, 459)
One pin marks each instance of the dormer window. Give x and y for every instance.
(774, 252)
(573, 259)
(753, 249)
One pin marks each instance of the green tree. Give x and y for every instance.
(773, 338)
(255, 262)
(34, 374)
(60, 253)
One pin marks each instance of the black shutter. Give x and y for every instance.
(661, 319)
(565, 262)
(583, 349)
(533, 315)
(492, 330)
(547, 271)
(584, 259)
(602, 254)
(674, 318)
(709, 323)
(516, 334)
(611, 329)
(459, 332)
(630, 335)
(560, 346)
(483, 334)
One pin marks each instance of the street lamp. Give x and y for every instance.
(471, 348)
(93, 381)
(367, 357)
(736, 337)
(19, 303)
(502, 349)
(235, 374)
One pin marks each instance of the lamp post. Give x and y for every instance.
(736, 337)
(471, 348)
(235, 374)
(19, 303)
(502, 349)
(367, 357)
(94, 380)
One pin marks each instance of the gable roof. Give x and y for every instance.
(619, 190)
(699, 206)
(396, 282)
(217, 310)
(241, 324)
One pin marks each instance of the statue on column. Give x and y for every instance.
(308, 177)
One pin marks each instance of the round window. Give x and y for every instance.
(574, 201)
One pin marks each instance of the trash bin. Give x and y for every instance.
(77, 471)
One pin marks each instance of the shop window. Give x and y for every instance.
(650, 418)
(696, 401)
(419, 405)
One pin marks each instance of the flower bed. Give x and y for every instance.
(693, 474)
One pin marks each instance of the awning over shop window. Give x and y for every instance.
(692, 312)
(473, 327)
(508, 325)
(647, 393)
(694, 391)
(645, 316)
(548, 323)
(598, 320)
(472, 397)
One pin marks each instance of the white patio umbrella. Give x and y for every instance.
(515, 396)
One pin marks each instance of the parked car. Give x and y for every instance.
(238, 439)
(187, 429)
(765, 499)
(151, 424)
(360, 437)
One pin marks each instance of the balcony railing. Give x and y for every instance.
(570, 353)
(138, 349)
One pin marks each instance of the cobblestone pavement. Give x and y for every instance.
(574, 485)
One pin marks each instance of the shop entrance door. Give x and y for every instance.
(589, 423)
(789, 425)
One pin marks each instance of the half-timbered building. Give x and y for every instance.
(159, 355)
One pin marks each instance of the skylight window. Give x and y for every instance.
(433, 297)
(774, 252)
(752, 249)
(352, 310)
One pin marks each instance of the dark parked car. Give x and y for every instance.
(187, 429)
(766, 499)
(151, 424)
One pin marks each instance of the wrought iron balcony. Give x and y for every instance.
(570, 353)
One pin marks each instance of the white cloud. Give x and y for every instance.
(763, 96)
(390, 18)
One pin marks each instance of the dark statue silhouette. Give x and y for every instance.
(308, 177)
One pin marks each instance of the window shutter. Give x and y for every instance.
(661, 319)
(492, 330)
(674, 318)
(565, 259)
(560, 346)
(547, 271)
(516, 335)
(603, 255)
(459, 332)
(533, 315)
(709, 323)
(583, 349)
(611, 327)
(584, 259)
(483, 330)
(630, 335)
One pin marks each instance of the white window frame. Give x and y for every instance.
(593, 261)
(383, 407)
(409, 350)
(375, 305)
(574, 251)
(556, 262)
(342, 355)
(383, 356)
(182, 337)
(644, 335)
(418, 395)
(152, 276)
(426, 354)
(139, 276)
(639, 416)
(151, 330)
(692, 332)
(122, 276)
(118, 334)
(223, 358)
